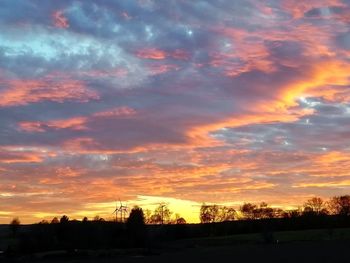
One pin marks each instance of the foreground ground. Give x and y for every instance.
(291, 246)
(306, 251)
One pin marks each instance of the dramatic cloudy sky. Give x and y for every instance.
(182, 101)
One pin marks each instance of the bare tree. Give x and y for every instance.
(264, 211)
(340, 205)
(227, 214)
(216, 213)
(316, 206)
(148, 214)
(248, 211)
(209, 213)
(161, 215)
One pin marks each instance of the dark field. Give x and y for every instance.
(288, 246)
(315, 251)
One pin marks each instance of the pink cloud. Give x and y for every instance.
(75, 123)
(22, 154)
(116, 112)
(59, 19)
(49, 88)
(151, 53)
(179, 54)
(158, 54)
(160, 69)
(299, 8)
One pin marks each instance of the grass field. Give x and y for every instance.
(278, 237)
(288, 246)
(4, 237)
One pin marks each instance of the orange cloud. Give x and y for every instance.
(68, 172)
(151, 53)
(75, 123)
(20, 158)
(59, 19)
(323, 80)
(206, 182)
(299, 8)
(271, 113)
(329, 184)
(247, 51)
(19, 154)
(333, 157)
(50, 88)
(158, 54)
(319, 83)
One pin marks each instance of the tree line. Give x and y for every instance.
(316, 206)
(213, 213)
(160, 215)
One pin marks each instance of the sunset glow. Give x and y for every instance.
(182, 102)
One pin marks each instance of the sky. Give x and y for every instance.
(178, 101)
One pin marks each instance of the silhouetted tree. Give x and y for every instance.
(315, 206)
(85, 219)
(97, 218)
(278, 212)
(292, 213)
(44, 222)
(64, 219)
(265, 211)
(161, 215)
(136, 217)
(136, 226)
(147, 214)
(249, 211)
(55, 220)
(226, 214)
(209, 213)
(14, 225)
(155, 219)
(216, 213)
(180, 221)
(340, 205)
